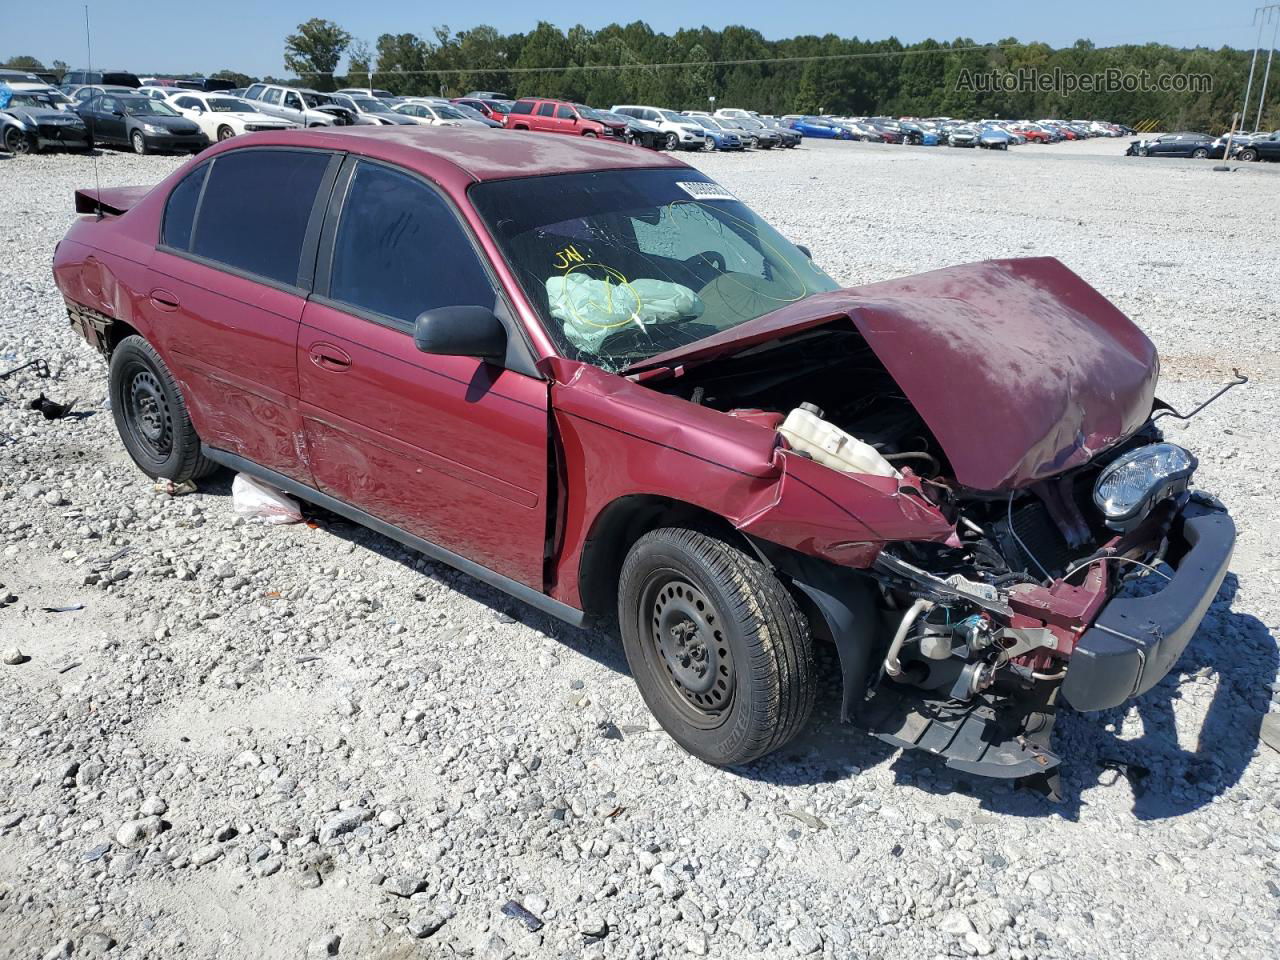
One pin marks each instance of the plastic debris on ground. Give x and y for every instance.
(255, 500)
(176, 489)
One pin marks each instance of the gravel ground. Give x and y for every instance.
(300, 741)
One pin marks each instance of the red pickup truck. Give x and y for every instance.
(593, 378)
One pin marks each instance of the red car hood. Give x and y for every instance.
(1019, 367)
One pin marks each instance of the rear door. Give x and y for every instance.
(452, 449)
(228, 283)
(544, 118)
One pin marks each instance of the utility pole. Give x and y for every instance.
(1261, 16)
(1272, 13)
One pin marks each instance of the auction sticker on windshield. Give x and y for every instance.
(704, 190)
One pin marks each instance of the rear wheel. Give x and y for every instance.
(1200, 153)
(717, 646)
(1248, 155)
(151, 415)
(139, 142)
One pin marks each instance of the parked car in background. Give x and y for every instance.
(918, 135)
(599, 382)
(146, 125)
(204, 84)
(81, 94)
(159, 92)
(1264, 146)
(437, 115)
(991, 137)
(102, 78)
(754, 133)
(719, 136)
(471, 113)
(554, 116)
(486, 95)
(30, 122)
(790, 138)
(371, 110)
(636, 131)
(679, 132)
(307, 108)
(817, 128)
(615, 126)
(367, 92)
(1182, 144)
(495, 110)
(962, 136)
(222, 117)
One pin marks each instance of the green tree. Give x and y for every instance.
(239, 79)
(359, 60)
(23, 63)
(314, 51)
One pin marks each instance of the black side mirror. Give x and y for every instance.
(805, 250)
(461, 332)
(117, 113)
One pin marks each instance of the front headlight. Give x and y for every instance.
(153, 129)
(1131, 484)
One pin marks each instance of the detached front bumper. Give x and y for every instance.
(1135, 641)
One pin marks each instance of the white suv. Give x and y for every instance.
(682, 133)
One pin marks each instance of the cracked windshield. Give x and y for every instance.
(624, 265)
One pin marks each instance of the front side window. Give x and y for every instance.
(400, 250)
(564, 113)
(624, 265)
(293, 101)
(256, 208)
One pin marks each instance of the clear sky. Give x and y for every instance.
(208, 36)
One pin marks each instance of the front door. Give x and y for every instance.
(451, 449)
(227, 288)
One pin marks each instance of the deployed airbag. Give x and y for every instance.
(592, 309)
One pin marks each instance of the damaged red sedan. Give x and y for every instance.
(590, 376)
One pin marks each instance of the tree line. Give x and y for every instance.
(807, 74)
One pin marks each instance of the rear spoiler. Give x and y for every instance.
(110, 202)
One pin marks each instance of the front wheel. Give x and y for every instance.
(225, 132)
(139, 143)
(151, 415)
(16, 142)
(673, 141)
(708, 144)
(720, 651)
(589, 133)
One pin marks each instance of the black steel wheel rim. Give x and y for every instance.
(685, 643)
(148, 415)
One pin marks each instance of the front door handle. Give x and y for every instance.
(328, 357)
(164, 300)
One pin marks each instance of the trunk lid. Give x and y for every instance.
(1019, 367)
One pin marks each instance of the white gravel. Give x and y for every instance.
(306, 742)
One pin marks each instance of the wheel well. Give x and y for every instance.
(117, 330)
(616, 529)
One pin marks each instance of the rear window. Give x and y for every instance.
(256, 208)
(522, 106)
(180, 210)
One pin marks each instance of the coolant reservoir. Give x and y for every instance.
(826, 443)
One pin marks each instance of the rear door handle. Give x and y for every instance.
(328, 357)
(164, 300)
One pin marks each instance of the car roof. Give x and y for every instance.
(447, 152)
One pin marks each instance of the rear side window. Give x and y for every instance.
(546, 109)
(255, 211)
(400, 249)
(522, 106)
(180, 210)
(272, 95)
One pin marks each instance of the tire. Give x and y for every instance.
(139, 143)
(708, 145)
(589, 133)
(151, 415)
(751, 689)
(16, 142)
(225, 133)
(1200, 153)
(1248, 155)
(672, 142)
